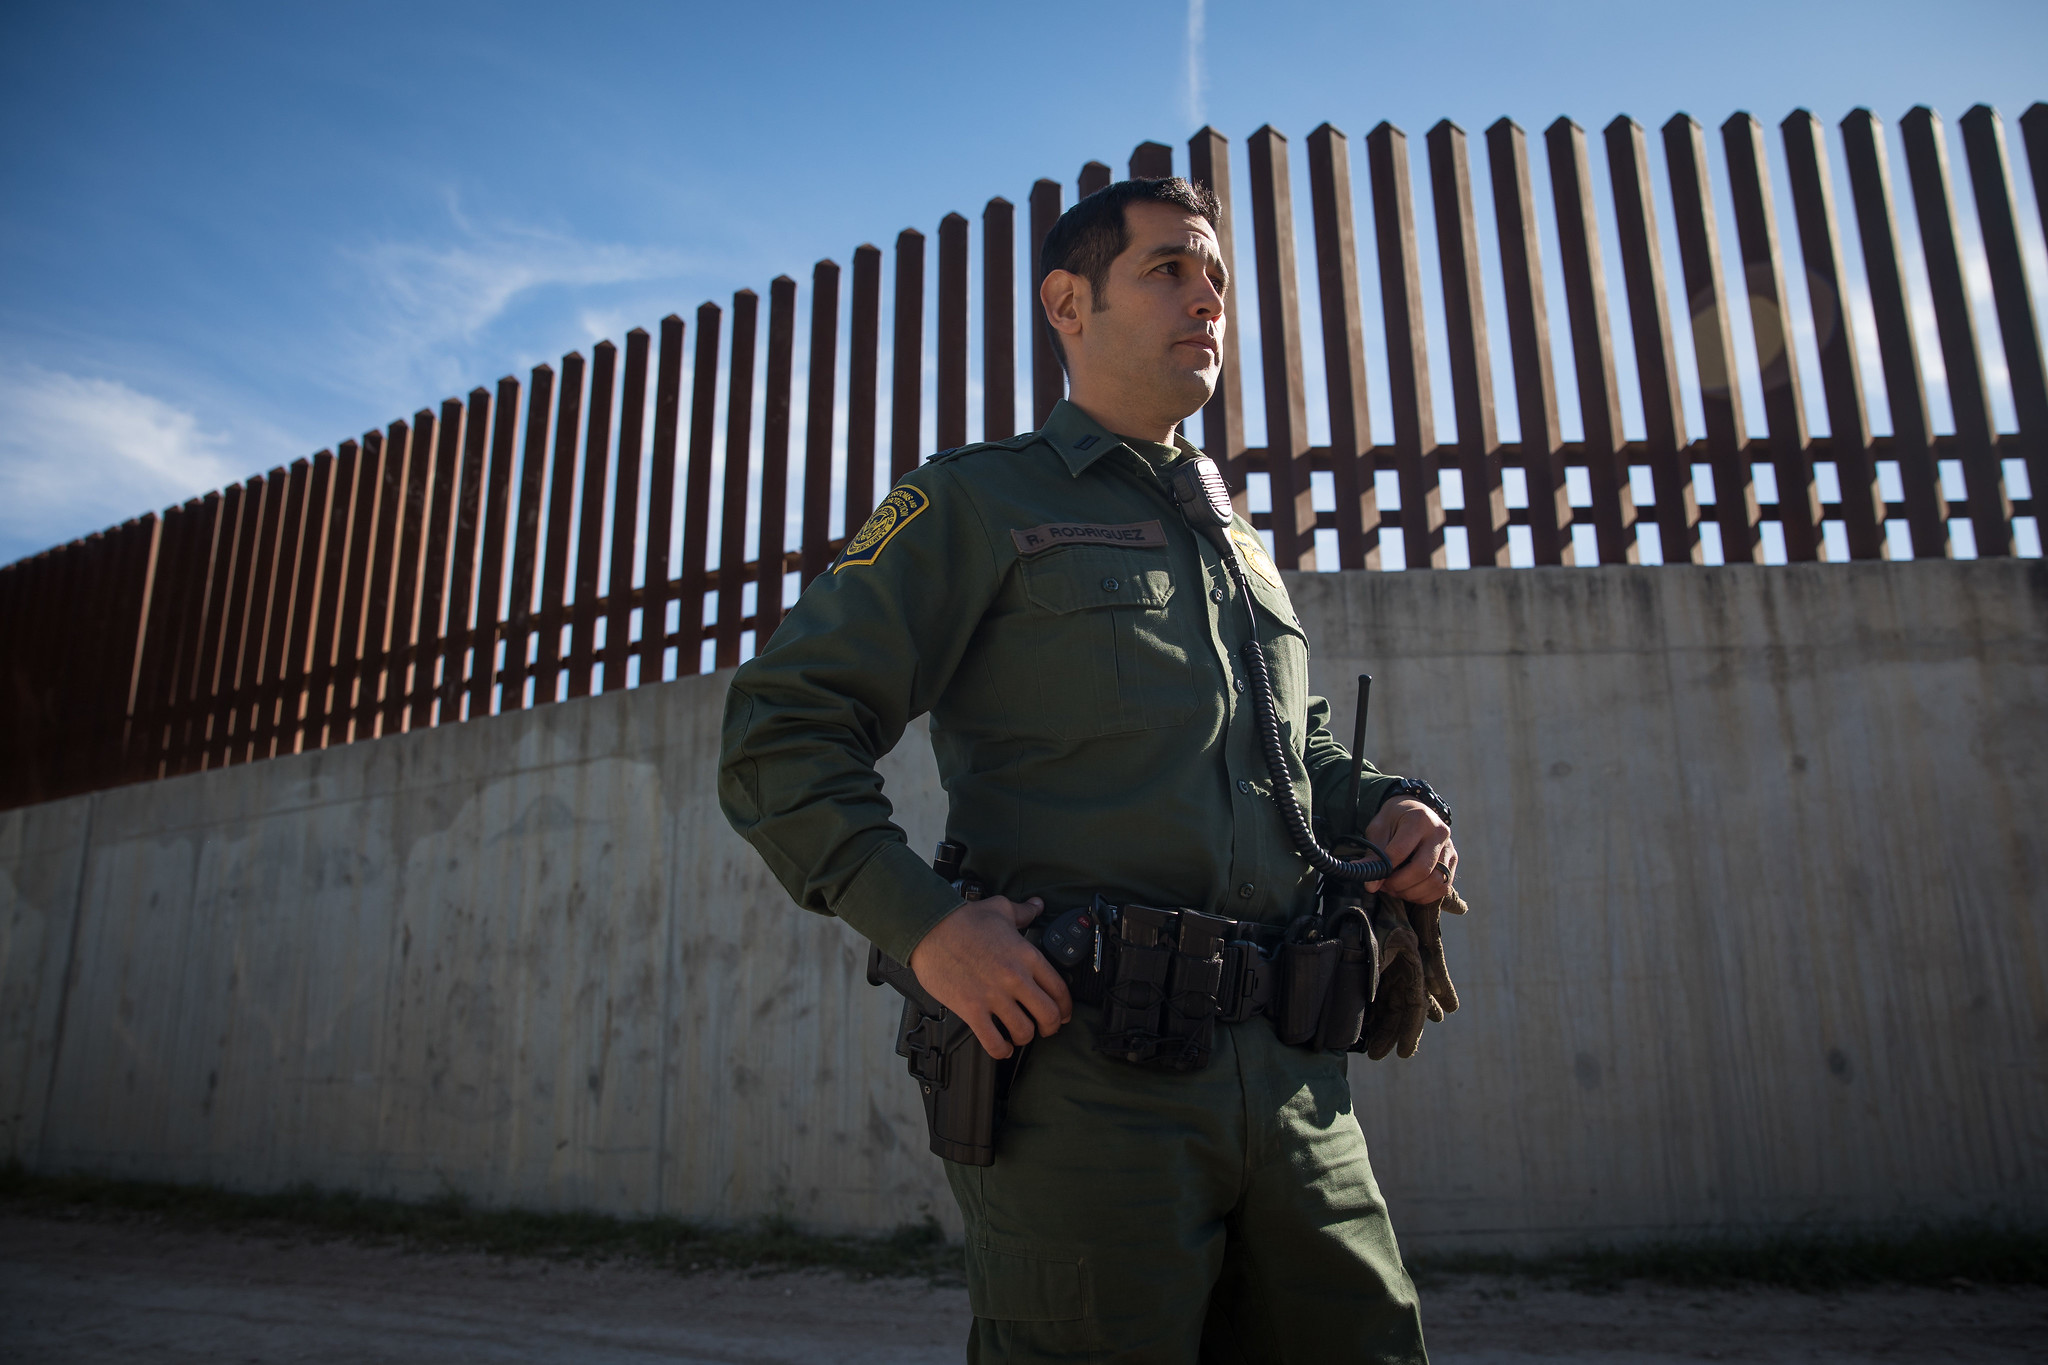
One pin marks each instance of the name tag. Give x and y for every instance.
(1051, 536)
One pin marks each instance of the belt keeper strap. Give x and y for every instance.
(1249, 981)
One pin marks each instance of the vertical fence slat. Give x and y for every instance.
(40, 639)
(1870, 183)
(2034, 128)
(824, 365)
(526, 542)
(491, 570)
(739, 438)
(27, 738)
(1813, 205)
(1151, 161)
(1048, 380)
(264, 569)
(1991, 183)
(1955, 323)
(1713, 339)
(227, 701)
(1393, 212)
(311, 556)
(1351, 469)
(138, 549)
(1585, 293)
(326, 620)
(97, 697)
(54, 643)
(618, 629)
(775, 458)
(17, 687)
(1485, 517)
(178, 752)
(292, 565)
(952, 366)
(1287, 460)
(434, 567)
(77, 599)
(1094, 176)
(656, 591)
(1223, 414)
(1649, 310)
(377, 632)
(1756, 233)
(697, 490)
(1521, 261)
(863, 384)
(906, 377)
(460, 643)
(146, 739)
(208, 717)
(998, 320)
(555, 567)
(352, 644)
(407, 573)
(597, 460)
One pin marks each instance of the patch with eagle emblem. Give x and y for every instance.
(898, 510)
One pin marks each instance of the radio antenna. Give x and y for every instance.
(1358, 740)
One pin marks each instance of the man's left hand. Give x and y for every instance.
(1418, 845)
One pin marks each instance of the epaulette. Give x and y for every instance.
(1017, 442)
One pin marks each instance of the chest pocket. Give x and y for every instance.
(1113, 656)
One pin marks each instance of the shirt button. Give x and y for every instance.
(1109, 585)
(1244, 786)
(1244, 893)
(1215, 594)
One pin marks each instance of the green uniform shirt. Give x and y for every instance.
(1076, 645)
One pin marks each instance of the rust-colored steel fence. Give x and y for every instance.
(423, 574)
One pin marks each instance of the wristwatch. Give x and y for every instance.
(1417, 790)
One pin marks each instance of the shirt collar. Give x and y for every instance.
(1081, 440)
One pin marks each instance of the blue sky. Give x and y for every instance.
(234, 233)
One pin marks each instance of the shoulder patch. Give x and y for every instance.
(1036, 539)
(898, 510)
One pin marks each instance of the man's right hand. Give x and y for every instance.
(977, 964)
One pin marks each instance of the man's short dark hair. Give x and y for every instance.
(1092, 234)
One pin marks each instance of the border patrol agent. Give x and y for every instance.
(1078, 649)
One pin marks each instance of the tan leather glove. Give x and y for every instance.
(1394, 1023)
(1427, 921)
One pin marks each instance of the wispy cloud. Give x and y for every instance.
(78, 454)
(1198, 23)
(429, 303)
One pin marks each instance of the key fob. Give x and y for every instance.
(1069, 939)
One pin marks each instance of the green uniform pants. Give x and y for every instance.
(1160, 1218)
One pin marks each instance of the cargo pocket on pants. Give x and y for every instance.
(1016, 1286)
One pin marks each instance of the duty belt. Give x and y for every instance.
(1165, 976)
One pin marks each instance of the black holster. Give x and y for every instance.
(965, 1090)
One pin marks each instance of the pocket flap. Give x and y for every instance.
(1090, 576)
(1008, 1286)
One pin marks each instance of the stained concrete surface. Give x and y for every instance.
(77, 1292)
(1760, 936)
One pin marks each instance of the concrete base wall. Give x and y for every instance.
(1758, 936)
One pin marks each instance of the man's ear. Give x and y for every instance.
(1064, 296)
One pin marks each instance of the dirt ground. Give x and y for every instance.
(80, 1291)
